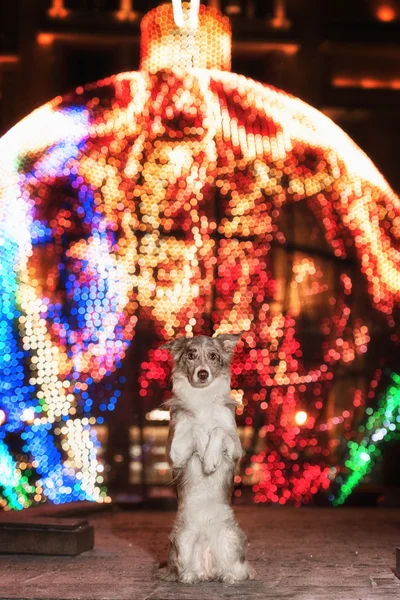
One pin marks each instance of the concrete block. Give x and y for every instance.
(59, 537)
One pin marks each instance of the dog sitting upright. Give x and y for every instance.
(204, 449)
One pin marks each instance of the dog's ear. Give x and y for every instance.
(228, 341)
(175, 346)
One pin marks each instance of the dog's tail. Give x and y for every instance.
(164, 572)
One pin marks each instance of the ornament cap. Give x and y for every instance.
(165, 45)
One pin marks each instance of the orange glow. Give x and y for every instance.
(244, 46)
(8, 59)
(233, 9)
(57, 10)
(2, 417)
(386, 13)
(126, 12)
(279, 20)
(366, 83)
(45, 39)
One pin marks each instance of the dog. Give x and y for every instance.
(204, 449)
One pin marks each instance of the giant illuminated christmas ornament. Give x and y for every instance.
(186, 199)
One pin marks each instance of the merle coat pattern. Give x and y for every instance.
(204, 449)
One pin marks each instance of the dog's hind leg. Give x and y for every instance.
(230, 548)
(190, 564)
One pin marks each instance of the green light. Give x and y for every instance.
(382, 425)
(15, 490)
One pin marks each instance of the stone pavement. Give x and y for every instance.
(299, 554)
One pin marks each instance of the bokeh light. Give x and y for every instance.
(184, 199)
(386, 13)
(300, 417)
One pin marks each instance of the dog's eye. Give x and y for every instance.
(213, 356)
(191, 355)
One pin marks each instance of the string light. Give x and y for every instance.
(165, 197)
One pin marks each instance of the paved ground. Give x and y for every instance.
(303, 554)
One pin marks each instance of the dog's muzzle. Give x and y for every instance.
(202, 375)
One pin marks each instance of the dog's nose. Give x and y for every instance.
(202, 375)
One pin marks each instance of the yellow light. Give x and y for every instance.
(300, 417)
(158, 415)
(2, 417)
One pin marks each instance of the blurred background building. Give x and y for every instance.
(341, 57)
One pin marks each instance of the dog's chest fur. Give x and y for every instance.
(210, 407)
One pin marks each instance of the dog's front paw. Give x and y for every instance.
(200, 436)
(178, 461)
(214, 451)
(211, 462)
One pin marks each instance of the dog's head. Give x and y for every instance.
(203, 359)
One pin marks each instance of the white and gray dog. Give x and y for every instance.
(204, 450)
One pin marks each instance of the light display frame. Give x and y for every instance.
(184, 199)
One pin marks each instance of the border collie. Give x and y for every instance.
(204, 450)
